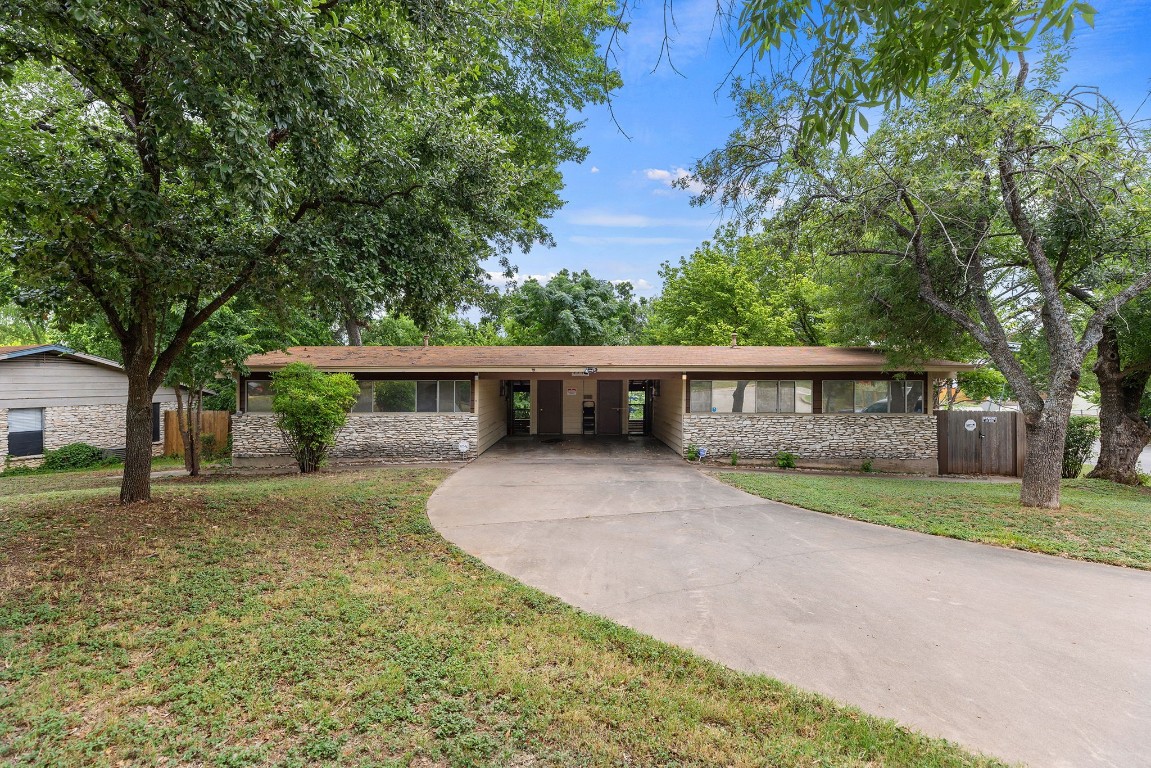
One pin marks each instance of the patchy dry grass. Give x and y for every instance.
(296, 621)
(1100, 521)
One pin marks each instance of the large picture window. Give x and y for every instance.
(747, 396)
(423, 396)
(409, 396)
(872, 396)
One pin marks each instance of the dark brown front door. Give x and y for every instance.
(550, 407)
(609, 408)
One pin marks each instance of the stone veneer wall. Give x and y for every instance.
(394, 436)
(98, 425)
(891, 442)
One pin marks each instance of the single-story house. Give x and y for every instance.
(830, 406)
(51, 396)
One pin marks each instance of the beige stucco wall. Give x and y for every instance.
(667, 414)
(491, 414)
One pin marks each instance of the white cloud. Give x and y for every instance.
(624, 240)
(669, 177)
(502, 281)
(595, 169)
(639, 285)
(593, 218)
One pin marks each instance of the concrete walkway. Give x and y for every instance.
(1025, 657)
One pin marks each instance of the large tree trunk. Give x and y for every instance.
(1123, 434)
(1043, 469)
(353, 326)
(137, 483)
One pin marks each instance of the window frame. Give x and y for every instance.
(20, 447)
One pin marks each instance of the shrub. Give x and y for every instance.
(692, 452)
(785, 460)
(866, 466)
(73, 456)
(734, 458)
(311, 408)
(1082, 432)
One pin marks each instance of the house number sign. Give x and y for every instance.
(990, 419)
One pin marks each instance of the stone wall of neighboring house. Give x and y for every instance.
(389, 436)
(893, 443)
(98, 425)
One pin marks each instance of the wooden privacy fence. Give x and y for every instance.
(981, 443)
(215, 423)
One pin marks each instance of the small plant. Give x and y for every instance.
(311, 408)
(1144, 478)
(74, 456)
(1082, 432)
(785, 460)
(692, 452)
(734, 458)
(866, 466)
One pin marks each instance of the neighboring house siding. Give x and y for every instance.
(892, 442)
(667, 414)
(491, 414)
(82, 402)
(47, 380)
(391, 436)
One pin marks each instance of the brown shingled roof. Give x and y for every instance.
(511, 359)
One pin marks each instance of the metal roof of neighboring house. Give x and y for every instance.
(24, 350)
(523, 359)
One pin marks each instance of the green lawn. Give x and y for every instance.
(1099, 521)
(321, 621)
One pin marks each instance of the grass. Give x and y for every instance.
(1100, 521)
(289, 621)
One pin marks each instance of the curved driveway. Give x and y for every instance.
(1026, 657)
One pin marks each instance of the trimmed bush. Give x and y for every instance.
(1082, 432)
(74, 456)
(785, 460)
(311, 408)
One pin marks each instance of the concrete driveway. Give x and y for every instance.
(1026, 657)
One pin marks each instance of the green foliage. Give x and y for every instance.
(983, 383)
(311, 407)
(735, 285)
(1082, 432)
(734, 458)
(866, 466)
(785, 460)
(692, 452)
(572, 308)
(866, 53)
(74, 456)
(359, 154)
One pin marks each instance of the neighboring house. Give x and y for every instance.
(832, 407)
(51, 396)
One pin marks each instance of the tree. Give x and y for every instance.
(982, 201)
(867, 53)
(159, 160)
(731, 285)
(311, 407)
(1123, 369)
(572, 308)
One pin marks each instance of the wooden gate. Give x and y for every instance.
(981, 443)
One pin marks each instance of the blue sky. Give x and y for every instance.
(622, 218)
